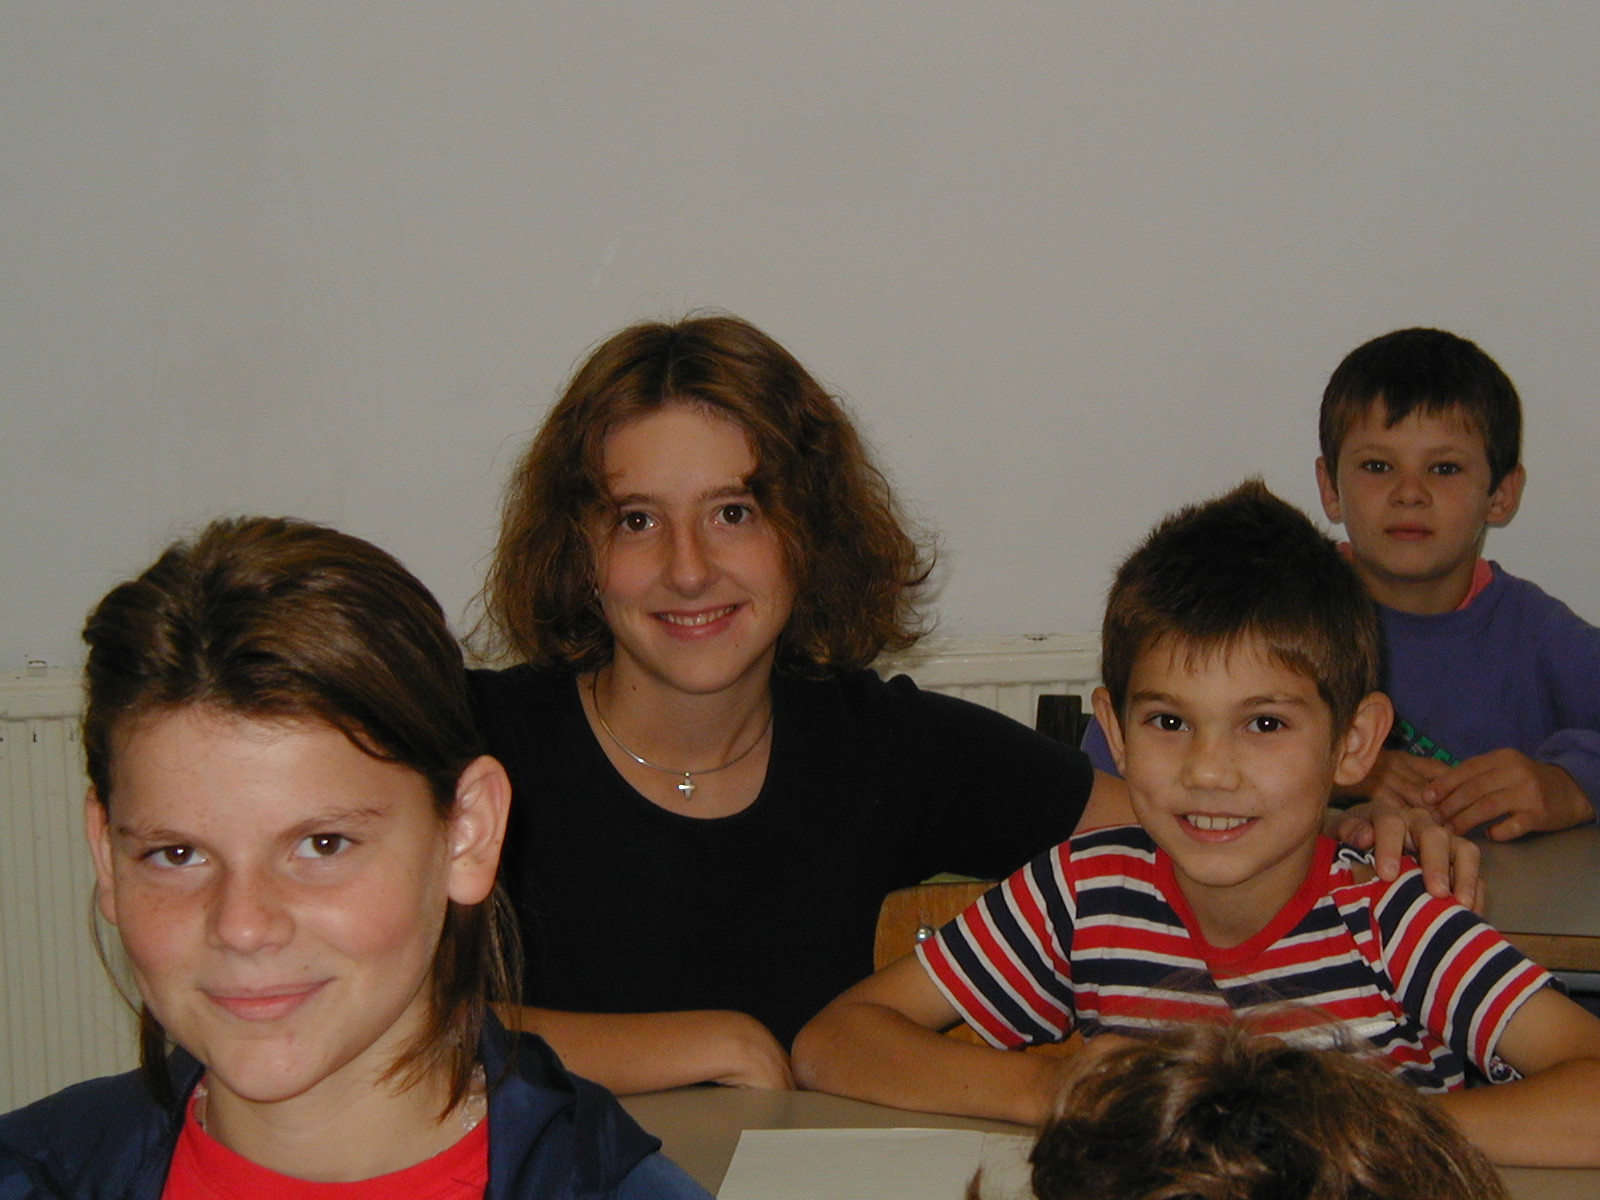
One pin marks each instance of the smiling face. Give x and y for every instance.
(692, 578)
(1230, 758)
(1415, 501)
(280, 895)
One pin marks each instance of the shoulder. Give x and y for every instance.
(1109, 857)
(1111, 842)
(1528, 600)
(1567, 645)
(659, 1178)
(519, 686)
(551, 1130)
(896, 709)
(511, 706)
(104, 1130)
(1352, 867)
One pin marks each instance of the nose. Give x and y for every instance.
(248, 914)
(1409, 488)
(1208, 765)
(689, 567)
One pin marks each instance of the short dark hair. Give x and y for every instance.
(1429, 371)
(282, 620)
(1210, 1110)
(1244, 565)
(855, 567)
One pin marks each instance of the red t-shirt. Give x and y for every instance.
(204, 1169)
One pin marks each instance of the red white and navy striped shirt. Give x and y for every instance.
(1096, 933)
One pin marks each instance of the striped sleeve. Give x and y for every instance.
(1004, 962)
(1452, 971)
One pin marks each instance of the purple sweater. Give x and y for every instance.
(1516, 668)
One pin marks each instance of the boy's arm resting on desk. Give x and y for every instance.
(647, 1052)
(881, 1041)
(1550, 1117)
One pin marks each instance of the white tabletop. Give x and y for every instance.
(699, 1128)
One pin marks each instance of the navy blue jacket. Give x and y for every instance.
(551, 1134)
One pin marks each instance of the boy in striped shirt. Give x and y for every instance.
(1240, 658)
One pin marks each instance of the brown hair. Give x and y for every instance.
(1244, 565)
(282, 620)
(1430, 371)
(1210, 1112)
(854, 566)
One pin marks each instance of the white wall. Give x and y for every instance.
(1073, 264)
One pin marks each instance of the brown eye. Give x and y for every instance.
(174, 856)
(321, 845)
(635, 521)
(735, 514)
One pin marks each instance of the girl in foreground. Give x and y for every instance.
(296, 836)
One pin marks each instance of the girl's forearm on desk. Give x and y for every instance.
(647, 1052)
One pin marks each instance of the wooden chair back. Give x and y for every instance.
(914, 914)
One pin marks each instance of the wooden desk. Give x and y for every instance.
(1544, 895)
(699, 1128)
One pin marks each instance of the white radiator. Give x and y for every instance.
(1007, 674)
(62, 1021)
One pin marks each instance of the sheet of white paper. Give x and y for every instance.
(880, 1164)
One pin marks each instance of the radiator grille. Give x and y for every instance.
(62, 1019)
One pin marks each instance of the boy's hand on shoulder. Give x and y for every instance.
(1449, 863)
(1516, 793)
(1400, 778)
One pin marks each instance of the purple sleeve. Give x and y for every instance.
(1570, 662)
(1098, 749)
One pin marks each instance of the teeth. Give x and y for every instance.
(693, 619)
(1208, 822)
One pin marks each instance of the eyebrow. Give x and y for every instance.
(333, 819)
(1151, 698)
(727, 491)
(1282, 699)
(1371, 447)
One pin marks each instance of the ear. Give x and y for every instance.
(1358, 748)
(97, 828)
(477, 828)
(1110, 724)
(1328, 489)
(1505, 499)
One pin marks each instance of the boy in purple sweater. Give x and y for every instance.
(1496, 685)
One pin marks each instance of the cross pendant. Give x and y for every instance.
(687, 787)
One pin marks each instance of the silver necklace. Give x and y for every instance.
(687, 785)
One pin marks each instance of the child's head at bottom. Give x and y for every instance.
(1240, 661)
(1212, 1111)
(294, 829)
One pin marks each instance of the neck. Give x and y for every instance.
(1232, 914)
(336, 1134)
(679, 730)
(1420, 597)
